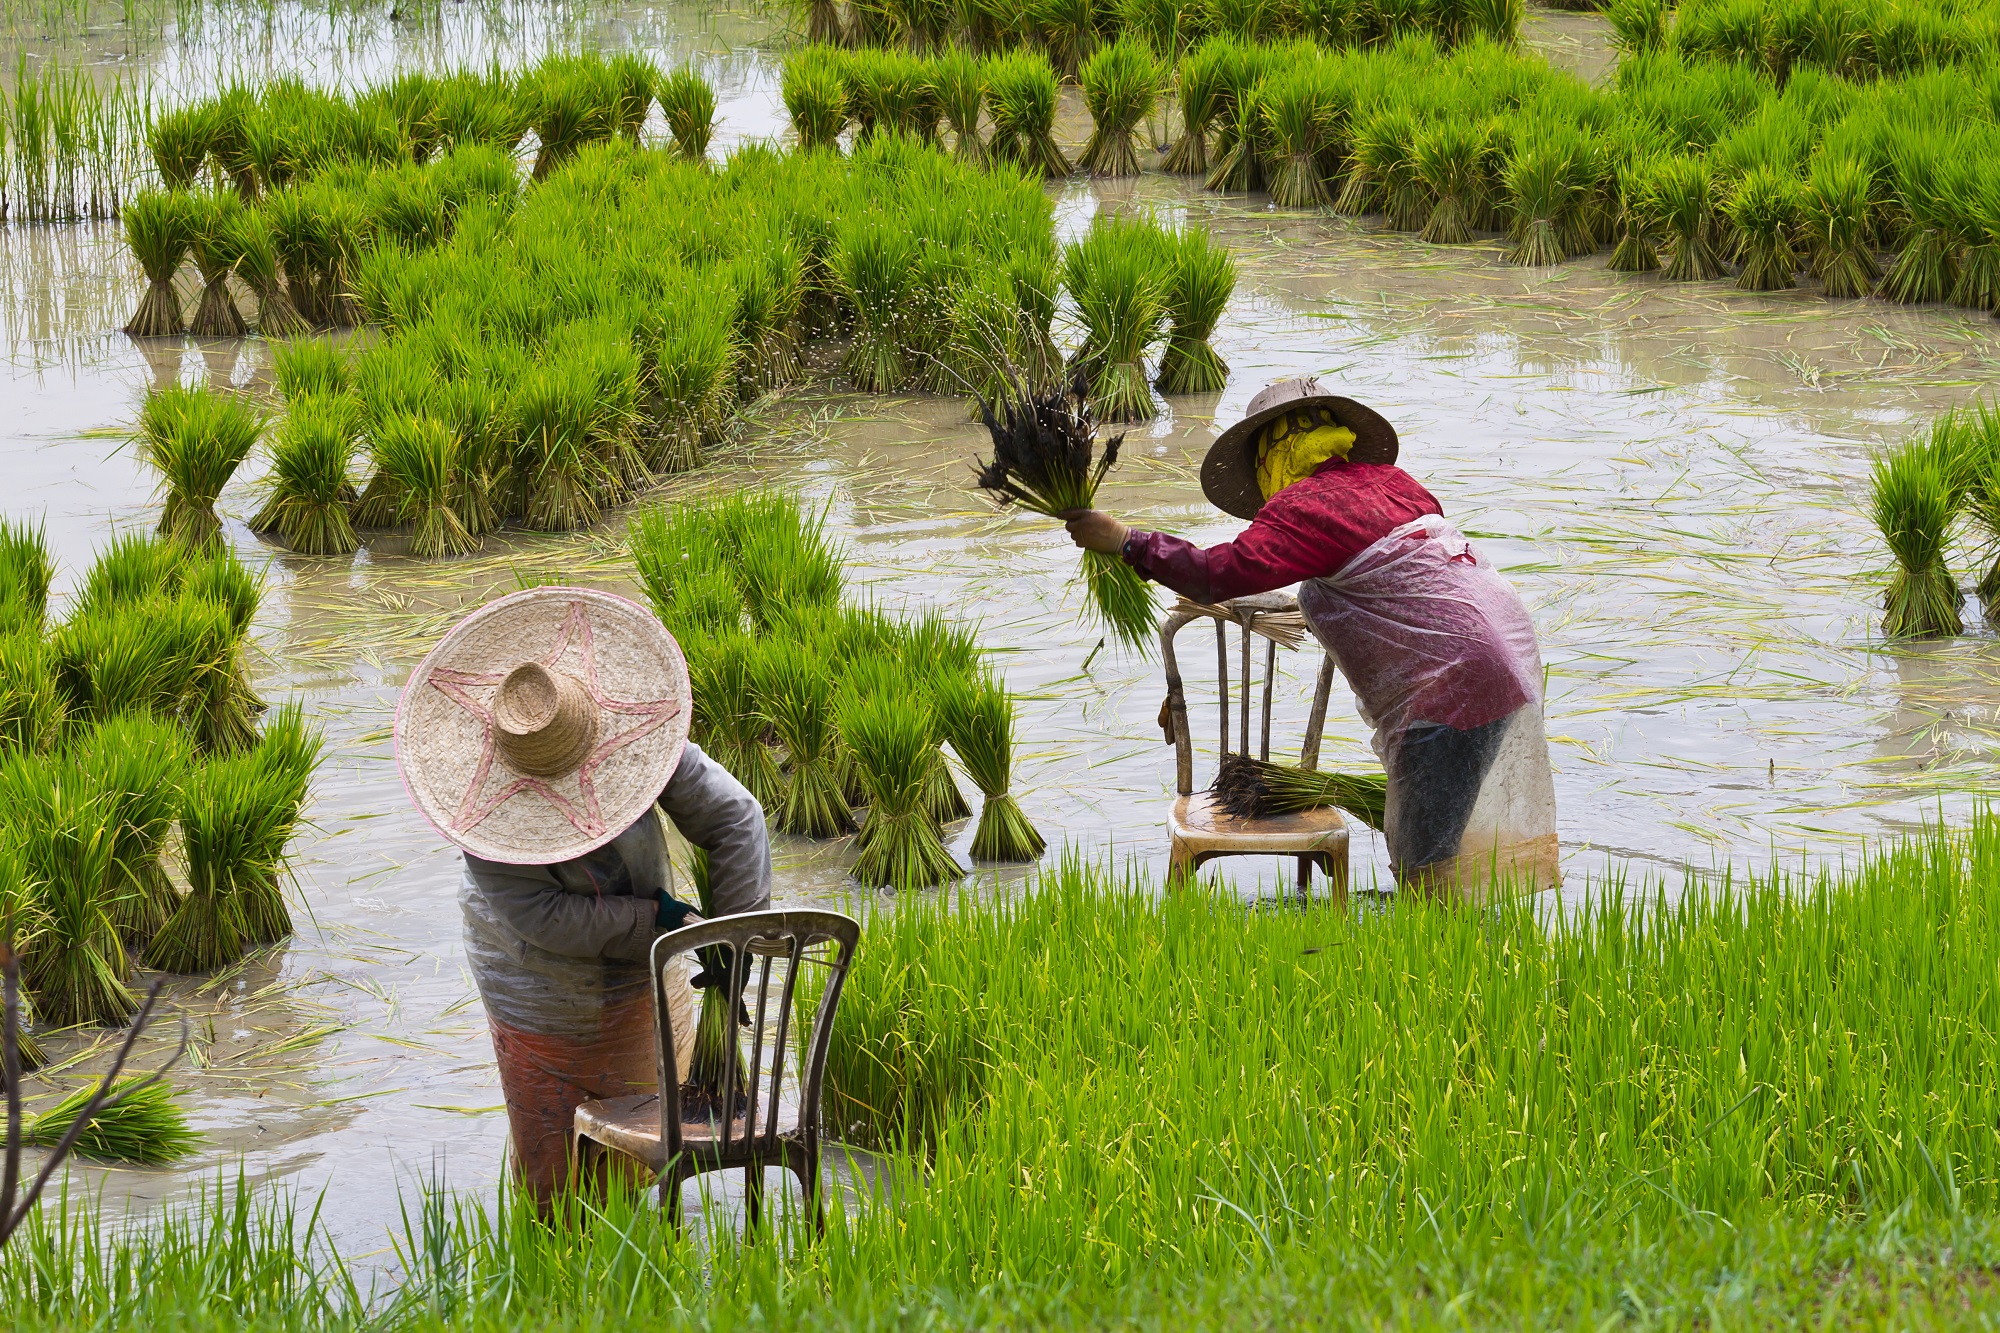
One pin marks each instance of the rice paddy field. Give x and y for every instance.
(1676, 475)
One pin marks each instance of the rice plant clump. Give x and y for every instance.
(1926, 266)
(137, 760)
(159, 229)
(1121, 86)
(1446, 159)
(1046, 459)
(1200, 85)
(1541, 182)
(1259, 789)
(1976, 199)
(195, 438)
(1681, 191)
(310, 483)
(815, 97)
(1021, 95)
(1913, 504)
(286, 755)
(960, 82)
(421, 455)
(231, 812)
(31, 702)
(26, 571)
(1980, 452)
(798, 704)
(311, 368)
(212, 221)
(977, 716)
(1116, 275)
(1763, 210)
(872, 262)
(1834, 217)
(890, 736)
(688, 103)
(140, 1124)
(1201, 276)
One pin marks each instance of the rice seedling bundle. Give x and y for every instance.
(311, 368)
(694, 358)
(1259, 789)
(135, 567)
(1974, 194)
(1446, 160)
(1116, 275)
(1913, 502)
(1639, 26)
(787, 565)
(1926, 265)
(688, 103)
(1021, 99)
(140, 1124)
(634, 77)
(820, 21)
(1682, 192)
(421, 456)
(1980, 451)
(179, 142)
(725, 672)
(26, 571)
(960, 83)
(286, 754)
(1046, 459)
(1384, 176)
(1201, 91)
(815, 97)
(1297, 106)
(156, 655)
(1200, 278)
(195, 438)
(212, 218)
(798, 706)
(1121, 86)
(562, 473)
(310, 487)
(64, 829)
(716, 1051)
(1545, 194)
(222, 712)
(1834, 218)
(977, 717)
(255, 252)
(570, 101)
(232, 811)
(159, 229)
(1763, 210)
(890, 734)
(31, 704)
(137, 761)
(1240, 151)
(871, 262)
(305, 248)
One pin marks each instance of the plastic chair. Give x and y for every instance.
(1199, 830)
(756, 1125)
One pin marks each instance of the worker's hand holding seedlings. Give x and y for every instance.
(1437, 645)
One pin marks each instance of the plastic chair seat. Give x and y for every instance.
(1200, 832)
(631, 1125)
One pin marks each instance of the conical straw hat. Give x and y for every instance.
(544, 724)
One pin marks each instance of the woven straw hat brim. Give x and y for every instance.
(458, 777)
(1229, 471)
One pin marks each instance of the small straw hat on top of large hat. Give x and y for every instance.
(1229, 472)
(544, 724)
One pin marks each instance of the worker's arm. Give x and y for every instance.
(1264, 556)
(717, 813)
(530, 903)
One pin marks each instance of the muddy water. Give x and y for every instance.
(1673, 476)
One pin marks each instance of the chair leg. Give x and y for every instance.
(806, 1164)
(1305, 879)
(753, 1197)
(671, 1180)
(1181, 867)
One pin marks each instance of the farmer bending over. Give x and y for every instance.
(545, 736)
(1436, 644)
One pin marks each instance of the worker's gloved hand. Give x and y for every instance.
(672, 913)
(715, 975)
(1095, 530)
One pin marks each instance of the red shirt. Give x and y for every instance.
(1306, 531)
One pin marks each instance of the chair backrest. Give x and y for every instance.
(1273, 617)
(815, 946)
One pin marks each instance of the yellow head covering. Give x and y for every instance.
(1294, 447)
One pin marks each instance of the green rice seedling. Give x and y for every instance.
(1296, 107)
(694, 362)
(64, 829)
(890, 734)
(1200, 279)
(563, 475)
(256, 263)
(179, 142)
(686, 572)
(1115, 276)
(1121, 86)
(470, 109)
(213, 219)
(786, 565)
(726, 672)
(1981, 452)
(892, 92)
(1542, 186)
(1259, 789)
(569, 102)
(960, 81)
(688, 103)
(159, 230)
(1043, 447)
(344, 216)
(310, 486)
(229, 145)
(420, 454)
(1446, 161)
(872, 262)
(1021, 99)
(1682, 191)
(1926, 266)
(1975, 198)
(1834, 209)
(635, 77)
(223, 707)
(1240, 152)
(316, 368)
(1201, 92)
(1764, 210)
(135, 567)
(298, 229)
(26, 571)
(1639, 26)
(137, 760)
(230, 812)
(1913, 503)
(195, 438)
(140, 1124)
(286, 755)
(815, 97)
(1070, 31)
(976, 714)
(474, 411)
(1638, 244)
(798, 706)
(31, 704)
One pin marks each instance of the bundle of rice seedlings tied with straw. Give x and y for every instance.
(421, 454)
(815, 97)
(688, 103)
(931, 650)
(195, 438)
(159, 228)
(960, 83)
(224, 706)
(1296, 107)
(26, 572)
(310, 487)
(232, 811)
(255, 261)
(1021, 96)
(1681, 192)
(1543, 185)
(286, 755)
(1975, 193)
(1835, 206)
(1201, 276)
(140, 1124)
(311, 367)
(1259, 789)
(1913, 502)
(634, 77)
(976, 714)
(1977, 446)
(1121, 86)
(724, 670)
(885, 723)
(1447, 161)
(31, 701)
(1046, 459)
(1926, 266)
(872, 263)
(138, 760)
(1200, 88)
(1763, 210)
(798, 705)
(212, 222)
(1638, 247)
(1117, 276)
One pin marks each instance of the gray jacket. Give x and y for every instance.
(551, 946)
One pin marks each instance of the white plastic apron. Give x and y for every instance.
(1431, 637)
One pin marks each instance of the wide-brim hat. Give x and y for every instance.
(544, 724)
(1229, 473)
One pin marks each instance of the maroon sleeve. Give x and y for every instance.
(1261, 558)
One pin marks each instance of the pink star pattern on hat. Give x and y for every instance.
(474, 691)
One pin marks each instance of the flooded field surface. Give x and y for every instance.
(1673, 475)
